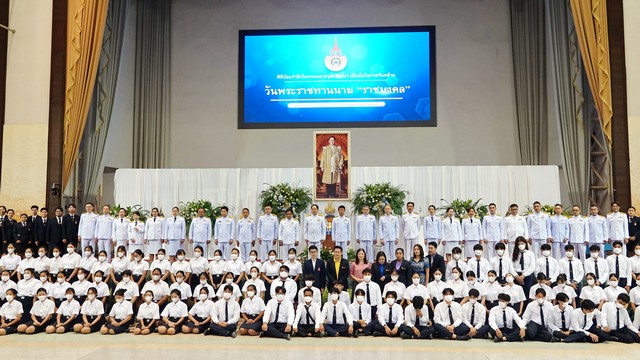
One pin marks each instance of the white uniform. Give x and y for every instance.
(539, 228)
(366, 233)
(572, 268)
(200, 233)
(621, 266)
(153, 234)
(267, 232)
(120, 232)
(87, 229)
(598, 232)
(549, 267)
(174, 232)
(246, 229)
(411, 233)
(559, 234)
(618, 224)
(599, 268)
(514, 226)
(579, 235)
(389, 233)
(289, 234)
(432, 229)
(341, 232)
(104, 234)
(136, 236)
(451, 235)
(472, 233)
(224, 231)
(315, 230)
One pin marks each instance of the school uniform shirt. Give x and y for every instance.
(180, 265)
(491, 291)
(416, 290)
(267, 227)
(308, 314)
(565, 289)
(317, 296)
(289, 285)
(623, 268)
(246, 230)
(196, 291)
(131, 289)
(472, 229)
(43, 308)
(410, 225)
(375, 295)
(295, 267)
(119, 265)
(581, 322)
(121, 311)
(551, 295)
(618, 226)
(441, 314)
(270, 269)
(554, 321)
(71, 261)
(539, 226)
(315, 228)
(634, 293)
(217, 267)
(435, 289)
(26, 264)
(28, 287)
(46, 286)
(460, 288)
(102, 289)
(41, 264)
(159, 289)
(202, 309)
(345, 298)
(397, 286)
(104, 266)
(616, 318)
(289, 231)
(199, 265)
(120, 229)
(81, 287)
(92, 308)
(595, 294)
(139, 267)
(432, 227)
(578, 229)
(175, 310)
(185, 289)
(478, 286)
(341, 229)
(515, 291)
(87, 262)
(553, 265)
(4, 286)
(87, 225)
(258, 283)
(598, 230)
(366, 228)
(174, 228)
(11, 310)
(57, 290)
(236, 294)
(149, 311)
(236, 267)
(55, 265)
(252, 306)
(532, 313)
(507, 265)
(635, 264)
(69, 308)
(603, 272)
(104, 227)
(224, 230)
(286, 315)
(411, 319)
(250, 264)
(529, 266)
(339, 311)
(479, 315)
(397, 315)
(136, 232)
(153, 229)
(451, 230)
(364, 310)
(474, 263)
(493, 227)
(496, 318)
(612, 292)
(573, 268)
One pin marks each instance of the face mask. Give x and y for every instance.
(98, 279)
(637, 252)
(309, 283)
(569, 254)
(546, 253)
(416, 281)
(521, 247)
(591, 281)
(91, 296)
(254, 275)
(367, 278)
(203, 297)
(250, 293)
(234, 256)
(272, 258)
(619, 306)
(491, 278)
(203, 282)
(617, 250)
(120, 254)
(69, 297)
(44, 279)
(613, 283)
(594, 255)
(136, 259)
(473, 301)
(448, 298)
(10, 251)
(228, 280)
(70, 250)
(155, 277)
(540, 301)
(284, 274)
(56, 254)
(252, 258)
(360, 299)
(456, 256)
(28, 255)
(160, 257)
(181, 257)
(119, 301)
(9, 298)
(42, 297)
(28, 276)
(5, 278)
(102, 258)
(196, 255)
(87, 253)
(502, 304)
(391, 301)
(148, 298)
(308, 299)
(470, 283)
(280, 297)
(394, 277)
(478, 252)
(292, 256)
(500, 252)
(455, 276)
(41, 254)
(217, 258)
(509, 279)
(437, 277)
(175, 300)
(179, 280)
(126, 280)
(335, 297)
(226, 295)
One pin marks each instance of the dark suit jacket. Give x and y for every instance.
(71, 227)
(437, 262)
(7, 230)
(54, 233)
(22, 233)
(342, 275)
(40, 231)
(376, 274)
(404, 272)
(319, 272)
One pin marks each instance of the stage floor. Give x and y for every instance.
(127, 346)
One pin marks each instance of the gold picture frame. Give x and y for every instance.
(331, 164)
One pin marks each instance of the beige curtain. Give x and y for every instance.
(590, 18)
(85, 28)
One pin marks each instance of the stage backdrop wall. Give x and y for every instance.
(240, 188)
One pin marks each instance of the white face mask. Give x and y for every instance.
(360, 299)
(437, 277)
(197, 254)
(394, 278)
(617, 250)
(87, 253)
(9, 298)
(10, 251)
(471, 283)
(456, 256)
(27, 276)
(637, 252)
(500, 252)
(91, 296)
(590, 282)
(335, 297)
(540, 301)
(69, 297)
(120, 300)
(121, 255)
(416, 281)
(619, 306)
(309, 283)
(455, 276)
(228, 280)
(126, 280)
(448, 298)
(42, 297)
(102, 258)
(56, 254)
(367, 278)
(175, 299)
(473, 301)
(391, 301)
(181, 257)
(272, 258)
(28, 255)
(478, 252)
(203, 282)
(308, 299)
(98, 279)
(521, 247)
(594, 255)
(155, 277)
(292, 256)
(280, 297)
(509, 279)
(502, 304)
(569, 254)
(203, 297)
(179, 280)
(71, 250)
(613, 283)
(250, 293)
(284, 274)
(42, 254)
(491, 278)
(148, 298)
(234, 256)
(254, 275)
(226, 295)
(252, 258)
(546, 253)
(160, 257)
(5, 278)
(217, 258)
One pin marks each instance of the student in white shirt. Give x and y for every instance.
(27, 263)
(343, 296)
(197, 265)
(120, 315)
(435, 289)
(542, 283)
(596, 265)
(516, 294)
(217, 269)
(87, 261)
(159, 288)
(5, 284)
(173, 315)
(131, 289)
(278, 316)
(616, 321)
(139, 267)
(587, 324)
(41, 263)
(396, 286)
(253, 262)
(181, 264)
(119, 264)
(161, 262)
(593, 292)
(103, 289)
(203, 284)
(10, 313)
(524, 262)
(563, 288)
(228, 280)
(10, 261)
(448, 319)
(459, 287)
(501, 263)
(307, 315)
(456, 262)
(316, 294)
(27, 288)
(503, 320)
(295, 268)
(235, 266)
(92, 312)
(614, 289)
(254, 274)
(363, 314)
(474, 283)
(415, 289)
(475, 315)
(66, 315)
(270, 270)
(200, 313)
(390, 317)
(634, 296)
(148, 315)
(41, 314)
(491, 289)
(182, 285)
(286, 282)
(620, 265)
(572, 267)
(561, 318)
(537, 316)
(252, 311)
(416, 320)
(478, 264)
(335, 318)
(547, 264)
(103, 266)
(372, 293)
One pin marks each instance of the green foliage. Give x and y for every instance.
(326, 254)
(377, 196)
(284, 196)
(460, 207)
(549, 209)
(129, 210)
(190, 210)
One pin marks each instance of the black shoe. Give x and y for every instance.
(355, 334)
(287, 337)
(613, 338)
(318, 335)
(377, 333)
(262, 334)
(233, 334)
(207, 332)
(463, 337)
(497, 339)
(554, 339)
(406, 336)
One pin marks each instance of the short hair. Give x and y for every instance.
(418, 302)
(392, 294)
(307, 291)
(471, 273)
(541, 291)
(624, 297)
(536, 203)
(224, 207)
(617, 242)
(594, 248)
(432, 207)
(513, 206)
(456, 250)
(313, 247)
(614, 203)
(337, 247)
(342, 207)
(504, 297)
(433, 243)
(500, 246)
(284, 267)
(228, 287)
(587, 304)
(492, 204)
(477, 247)
(568, 248)
(176, 292)
(562, 297)
(120, 292)
(411, 203)
(545, 247)
(447, 291)
(281, 290)
(360, 292)
(34, 207)
(314, 205)
(474, 293)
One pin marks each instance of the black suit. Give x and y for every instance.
(54, 234)
(435, 262)
(342, 275)
(634, 230)
(40, 232)
(405, 271)
(376, 274)
(319, 272)
(70, 230)
(7, 233)
(23, 237)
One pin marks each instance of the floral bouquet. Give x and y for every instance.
(285, 196)
(377, 196)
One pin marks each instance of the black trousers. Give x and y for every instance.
(512, 334)
(482, 331)
(276, 330)
(367, 330)
(625, 335)
(215, 329)
(442, 331)
(425, 331)
(305, 330)
(537, 332)
(336, 329)
(379, 328)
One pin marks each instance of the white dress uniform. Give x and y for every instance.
(41, 264)
(92, 308)
(432, 229)
(573, 268)
(579, 235)
(136, 236)
(559, 234)
(480, 267)
(175, 230)
(539, 228)
(416, 290)
(87, 229)
(549, 266)
(57, 290)
(411, 233)
(120, 232)
(236, 267)
(613, 292)
(289, 234)
(618, 224)
(224, 231)
(11, 310)
(621, 266)
(267, 232)
(341, 232)
(390, 232)
(472, 233)
(184, 288)
(599, 267)
(104, 234)
(451, 235)
(153, 234)
(514, 226)
(246, 229)
(526, 267)
(69, 308)
(10, 261)
(598, 232)
(200, 233)
(635, 264)
(366, 233)
(315, 230)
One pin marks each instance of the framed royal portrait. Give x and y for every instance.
(331, 161)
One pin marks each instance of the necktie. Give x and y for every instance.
(618, 319)
(471, 220)
(154, 219)
(504, 317)
(432, 219)
(450, 316)
(595, 262)
(585, 321)
(429, 257)
(136, 223)
(175, 218)
(277, 313)
(617, 267)
(309, 321)
(522, 261)
(478, 267)
(473, 314)
(59, 221)
(450, 220)
(335, 315)
(226, 311)
(541, 316)
(368, 295)
(564, 325)
(547, 268)
(360, 312)
(121, 220)
(390, 316)
(457, 264)
(571, 270)
(500, 269)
